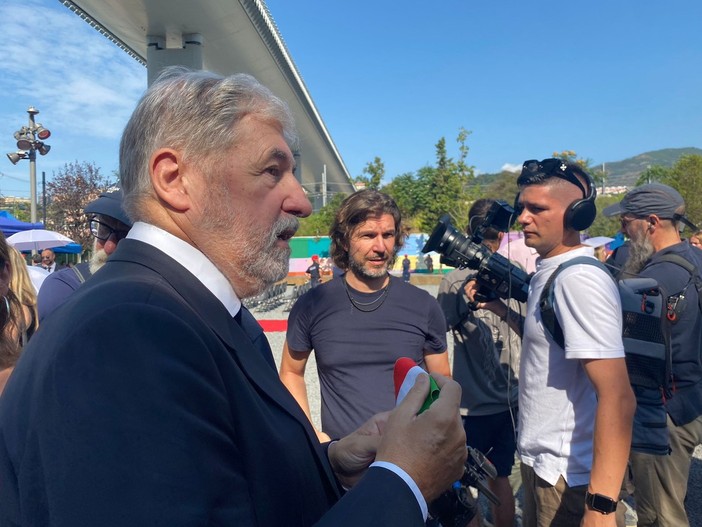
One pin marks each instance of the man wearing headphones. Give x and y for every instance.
(575, 402)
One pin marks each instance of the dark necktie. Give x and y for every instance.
(253, 329)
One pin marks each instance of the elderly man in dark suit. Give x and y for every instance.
(151, 398)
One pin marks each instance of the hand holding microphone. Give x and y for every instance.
(424, 435)
(455, 507)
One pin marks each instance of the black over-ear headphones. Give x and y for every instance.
(582, 212)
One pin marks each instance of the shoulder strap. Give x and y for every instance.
(690, 268)
(547, 300)
(78, 272)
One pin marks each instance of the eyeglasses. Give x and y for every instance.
(550, 167)
(625, 222)
(104, 232)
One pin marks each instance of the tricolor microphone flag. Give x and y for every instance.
(405, 375)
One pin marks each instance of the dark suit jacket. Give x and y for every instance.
(141, 402)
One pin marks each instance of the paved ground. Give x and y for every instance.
(277, 339)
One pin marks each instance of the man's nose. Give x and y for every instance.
(296, 203)
(379, 244)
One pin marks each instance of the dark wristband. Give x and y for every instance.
(600, 503)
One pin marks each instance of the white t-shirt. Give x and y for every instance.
(557, 402)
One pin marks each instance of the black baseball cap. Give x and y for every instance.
(653, 198)
(109, 204)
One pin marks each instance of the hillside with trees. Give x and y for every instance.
(627, 171)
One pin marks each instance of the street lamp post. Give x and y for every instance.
(30, 140)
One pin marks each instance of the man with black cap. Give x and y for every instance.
(108, 224)
(651, 216)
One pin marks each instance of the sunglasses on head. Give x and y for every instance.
(552, 167)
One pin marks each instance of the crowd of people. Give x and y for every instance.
(138, 390)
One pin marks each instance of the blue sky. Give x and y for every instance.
(608, 79)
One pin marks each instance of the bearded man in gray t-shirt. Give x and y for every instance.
(359, 324)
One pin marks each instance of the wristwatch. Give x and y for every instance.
(600, 503)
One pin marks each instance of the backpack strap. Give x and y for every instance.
(78, 272)
(547, 298)
(690, 268)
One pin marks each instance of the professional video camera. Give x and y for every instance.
(456, 507)
(496, 276)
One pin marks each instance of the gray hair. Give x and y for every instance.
(195, 112)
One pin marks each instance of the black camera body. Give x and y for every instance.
(496, 276)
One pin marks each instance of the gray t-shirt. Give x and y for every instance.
(485, 351)
(356, 351)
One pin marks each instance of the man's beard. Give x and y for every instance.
(640, 252)
(259, 262)
(268, 263)
(97, 260)
(361, 271)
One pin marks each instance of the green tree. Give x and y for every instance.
(604, 226)
(686, 177)
(416, 195)
(503, 186)
(407, 192)
(466, 170)
(568, 155)
(374, 173)
(319, 223)
(654, 174)
(70, 190)
(446, 188)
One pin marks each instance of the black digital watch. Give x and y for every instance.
(600, 503)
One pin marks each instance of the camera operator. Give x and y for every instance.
(576, 404)
(485, 364)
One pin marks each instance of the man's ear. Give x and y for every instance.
(167, 174)
(652, 222)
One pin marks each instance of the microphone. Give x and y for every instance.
(405, 374)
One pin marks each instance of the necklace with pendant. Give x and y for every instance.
(367, 307)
